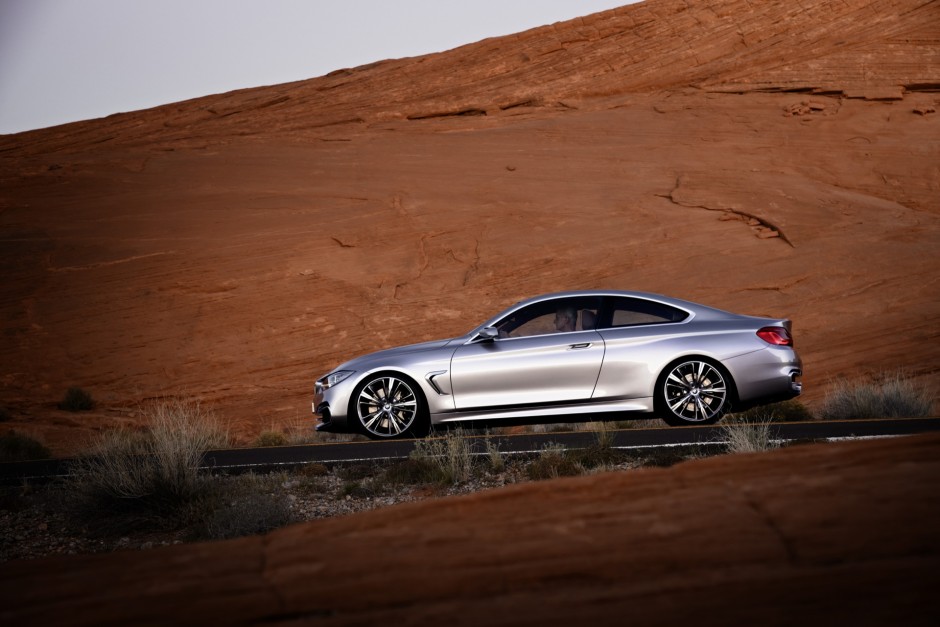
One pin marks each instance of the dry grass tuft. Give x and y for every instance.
(601, 454)
(553, 462)
(19, 447)
(77, 399)
(748, 434)
(494, 456)
(246, 505)
(784, 411)
(892, 395)
(271, 438)
(147, 479)
(447, 457)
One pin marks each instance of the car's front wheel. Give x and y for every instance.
(389, 406)
(693, 391)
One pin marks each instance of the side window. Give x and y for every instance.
(629, 312)
(563, 315)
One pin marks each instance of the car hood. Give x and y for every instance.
(362, 362)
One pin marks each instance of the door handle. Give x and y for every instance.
(579, 346)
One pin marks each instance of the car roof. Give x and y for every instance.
(630, 294)
(696, 309)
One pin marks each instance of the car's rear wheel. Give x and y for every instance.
(388, 405)
(693, 391)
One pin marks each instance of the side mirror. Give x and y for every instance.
(487, 334)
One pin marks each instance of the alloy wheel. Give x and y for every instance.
(695, 392)
(387, 406)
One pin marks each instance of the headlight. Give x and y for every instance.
(333, 378)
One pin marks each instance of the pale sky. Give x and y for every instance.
(68, 60)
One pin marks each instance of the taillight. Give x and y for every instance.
(777, 336)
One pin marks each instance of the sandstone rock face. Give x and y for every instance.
(815, 535)
(236, 246)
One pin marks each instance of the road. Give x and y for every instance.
(274, 457)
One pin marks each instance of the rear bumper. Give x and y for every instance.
(770, 373)
(796, 384)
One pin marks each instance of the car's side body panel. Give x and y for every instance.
(526, 370)
(611, 369)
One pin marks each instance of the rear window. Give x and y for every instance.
(630, 312)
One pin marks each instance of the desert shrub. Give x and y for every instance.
(146, 479)
(247, 515)
(299, 431)
(355, 472)
(414, 471)
(449, 455)
(13, 499)
(314, 470)
(271, 438)
(601, 453)
(640, 423)
(457, 460)
(240, 506)
(894, 396)
(325, 436)
(552, 427)
(494, 457)
(748, 434)
(664, 457)
(784, 411)
(552, 462)
(18, 447)
(77, 399)
(359, 489)
(603, 434)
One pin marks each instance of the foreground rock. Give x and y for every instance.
(822, 534)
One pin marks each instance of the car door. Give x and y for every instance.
(533, 362)
(639, 336)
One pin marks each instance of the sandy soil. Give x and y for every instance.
(775, 159)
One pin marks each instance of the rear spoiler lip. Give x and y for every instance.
(786, 323)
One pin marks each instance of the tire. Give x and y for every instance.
(693, 391)
(387, 406)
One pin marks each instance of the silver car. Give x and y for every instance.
(569, 356)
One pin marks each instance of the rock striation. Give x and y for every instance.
(773, 158)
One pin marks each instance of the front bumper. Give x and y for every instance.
(325, 404)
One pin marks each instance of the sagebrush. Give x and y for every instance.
(147, 478)
(784, 411)
(448, 456)
(243, 505)
(891, 395)
(752, 433)
(77, 399)
(19, 447)
(601, 453)
(553, 462)
(271, 438)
